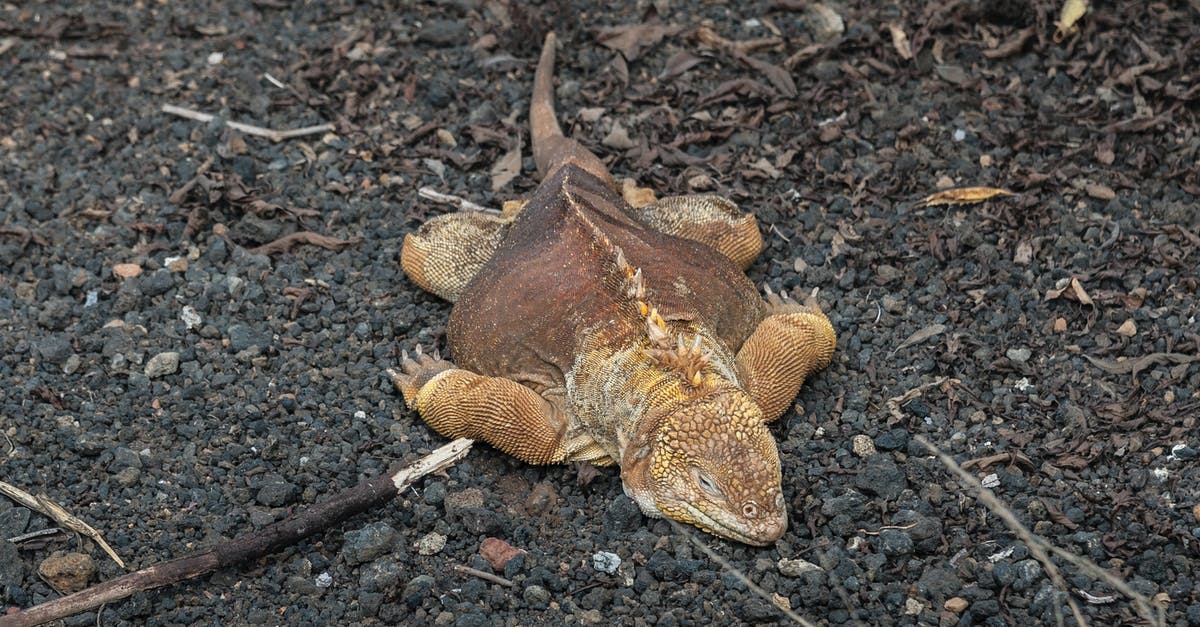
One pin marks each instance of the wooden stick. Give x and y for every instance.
(249, 129)
(1038, 545)
(364, 496)
(486, 576)
(42, 504)
(429, 193)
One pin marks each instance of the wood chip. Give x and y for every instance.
(956, 605)
(1100, 191)
(900, 41)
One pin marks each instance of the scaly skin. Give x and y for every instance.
(564, 351)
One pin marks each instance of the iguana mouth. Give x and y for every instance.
(723, 529)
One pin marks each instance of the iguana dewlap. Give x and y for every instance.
(587, 329)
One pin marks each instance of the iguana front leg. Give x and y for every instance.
(790, 344)
(461, 404)
(707, 219)
(444, 254)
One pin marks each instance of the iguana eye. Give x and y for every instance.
(706, 482)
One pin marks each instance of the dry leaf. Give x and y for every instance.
(1100, 191)
(631, 39)
(1127, 328)
(1060, 325)
(900, 41)
(286, 242)
(1071, 289)
(963, 196)
(618, 138)
(634, 195)
(1139, 364)
(1072, 10)
(921, 335)
(506, 168)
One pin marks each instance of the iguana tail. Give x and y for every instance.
(551, 150)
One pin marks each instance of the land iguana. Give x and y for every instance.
(587, 329)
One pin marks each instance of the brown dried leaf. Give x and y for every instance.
(900, 41)
(1072, 290)
(1014, 45)
(679, 63)
(286, 242)
(506, 168)
(1057, 515)
(1139, 364)
(1100, 191)
(921, 335)
(631, 39)
(963, 196)
(1071, 11)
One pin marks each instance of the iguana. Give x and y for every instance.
(587, 329)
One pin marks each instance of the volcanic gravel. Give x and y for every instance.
(174, 378)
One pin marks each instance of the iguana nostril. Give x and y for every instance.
(750, 510)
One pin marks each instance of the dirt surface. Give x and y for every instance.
(1051, 335)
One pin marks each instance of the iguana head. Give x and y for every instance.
(710, 462)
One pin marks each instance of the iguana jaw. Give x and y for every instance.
(711, 463)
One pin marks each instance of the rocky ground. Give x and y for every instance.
(177, 370)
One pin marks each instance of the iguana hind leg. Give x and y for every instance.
(444, 254)
(461, 404)
(707, 219)
(790, 344)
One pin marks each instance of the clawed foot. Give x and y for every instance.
(415, 372)
(781, 303)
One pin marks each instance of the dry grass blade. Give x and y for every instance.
(249, 129)
(42, 503)
(1039, 546)
(733, 570)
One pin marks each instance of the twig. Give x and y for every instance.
(885, 527)
(483, 575)
(52, 531)
(42, 503)
(364, 496)
(796, 618)
(428, 193)
(249, 129)
(178, 195)
(1038, 545)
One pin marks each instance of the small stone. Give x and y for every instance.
(622, 515)
(68, 573)
(885, 274)
(416, 589)
(126, 270)
(368, 543)
(863, 446)
(324, 580)
(431, 543)
(276, 491)
(162, 365)
(537, 597)
(796, 567)
(191, 318)
(176, 264)
(541, 499)
(606, 562)
(1018, 355)
(956, 605)
(128, 477)
(895, 542)
(912, 607)
(1060, 325)
(1127, 328)
(497, 552)
(456, 502)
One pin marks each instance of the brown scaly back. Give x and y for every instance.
(551, 150)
